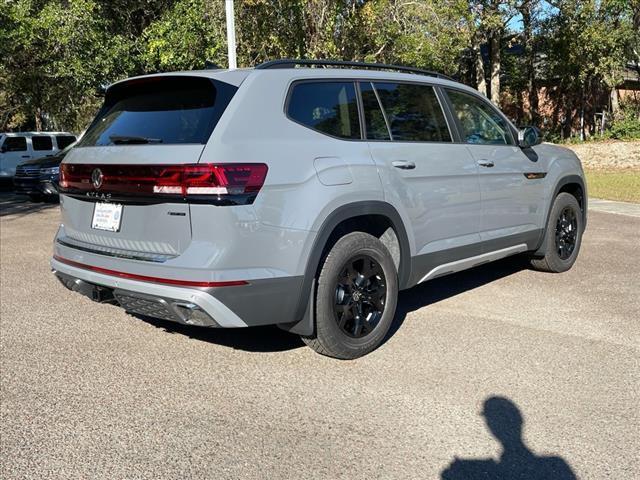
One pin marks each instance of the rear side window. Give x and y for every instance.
(14, 144)
(42, 142)
(374, 118)
(481, 124)
(328, 107)
(159, 110)
(413, 112)
(64, 141)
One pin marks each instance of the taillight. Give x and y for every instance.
(63, 180)
(208, 179)
(200, 181)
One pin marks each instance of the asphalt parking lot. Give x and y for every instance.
(90, 392)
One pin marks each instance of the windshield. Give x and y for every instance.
(159, 110)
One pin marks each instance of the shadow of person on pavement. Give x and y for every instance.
(504, 420)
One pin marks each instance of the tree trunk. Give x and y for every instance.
(615, 102)
(481, 81)
(38, 119)
(520, 110)
(527, 15)
(495, 66)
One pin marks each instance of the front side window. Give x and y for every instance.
(328, 107)
(14, 144)
(413, 112)
(481, 124)
(42, 142)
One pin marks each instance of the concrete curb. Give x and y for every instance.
(610, 206)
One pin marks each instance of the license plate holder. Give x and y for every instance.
(107, 216)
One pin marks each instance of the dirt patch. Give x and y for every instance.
(608, 155)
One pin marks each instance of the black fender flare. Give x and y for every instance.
(304, 312)
(566, 180)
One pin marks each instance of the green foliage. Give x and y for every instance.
(428, 34)
(56, 54)
(586, 40)
(53, 58)
(186, 35)
(627, 125)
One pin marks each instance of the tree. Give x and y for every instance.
(184, 37)
(528, 10)
(52, 56)
(586, 51)
(55, 54)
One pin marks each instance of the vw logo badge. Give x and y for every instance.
(97, 178)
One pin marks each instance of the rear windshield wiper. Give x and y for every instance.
(131, 140)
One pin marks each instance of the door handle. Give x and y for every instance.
(403, 164)
(26, 156)
(486, 163)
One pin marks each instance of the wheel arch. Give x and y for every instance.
(574, 185)
(345, 219)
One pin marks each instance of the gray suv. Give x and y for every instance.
(304, 197)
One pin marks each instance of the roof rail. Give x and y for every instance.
(292, 63)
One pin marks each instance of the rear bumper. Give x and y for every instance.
(167, 296)
(262, 302)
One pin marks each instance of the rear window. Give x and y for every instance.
(159, 110)
(42, 142)
(14, 144)
(328, 107)
(64, 141)
(373, 116)
(413, 112)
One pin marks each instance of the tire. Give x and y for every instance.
(356, 297)
(560, 233)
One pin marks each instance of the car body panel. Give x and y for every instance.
(511, 203)
(446, 213)
(440, 196)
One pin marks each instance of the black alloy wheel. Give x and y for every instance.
(355, 298)
(360, 295)
(566, 233)
(562, 235)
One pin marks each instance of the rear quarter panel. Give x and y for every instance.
(254, 128)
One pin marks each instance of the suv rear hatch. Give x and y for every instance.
(124, 184)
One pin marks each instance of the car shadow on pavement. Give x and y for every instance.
(449, 286)
(505, 421)
(272, 339)
(21, 205)
(256, 339)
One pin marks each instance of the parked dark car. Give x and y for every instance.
(40, 178)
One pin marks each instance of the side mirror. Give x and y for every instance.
(529, 137)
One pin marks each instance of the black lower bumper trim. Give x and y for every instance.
(139, 303)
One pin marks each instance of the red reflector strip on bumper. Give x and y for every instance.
(145, 278)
